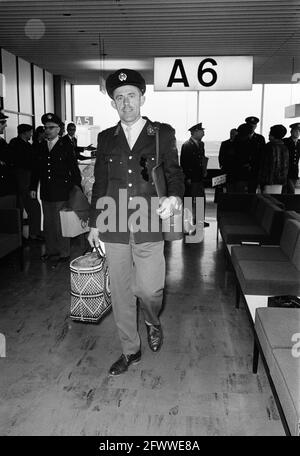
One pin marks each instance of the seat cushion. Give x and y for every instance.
(257, 253)
(234, 234)
(268, 278)
(236, 218)
(285, 374)
(8, 243)
(274, 328)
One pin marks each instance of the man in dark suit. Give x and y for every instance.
(256, 146)
(293, 145)
(226, 158)
(126, 155)
(70, 137)
(57, 171)
(22, 158)
(8, 187)
(193, 163)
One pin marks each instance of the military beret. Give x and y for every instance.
(50, 117)
(252, 120)
(22, 128)
(278, 131)
(295, 125)
(198, 126)
(244, 129)
(3, 117)
(124, 77)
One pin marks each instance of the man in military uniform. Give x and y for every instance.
(57, 171)
(21, 152)
(7, 179)
(293, 145)
(193, 163)
(125, 156)
(257, 143)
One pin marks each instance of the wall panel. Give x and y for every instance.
(49, 92)
(9, 69)
(25, 89)
(39, 108)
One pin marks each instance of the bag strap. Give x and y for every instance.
(156, 128)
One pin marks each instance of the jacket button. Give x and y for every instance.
(130, 198)
(130, 184)
(130, 171)
(130, 157)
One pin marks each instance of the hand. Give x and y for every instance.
(168, 206)
(90, 147)
(33, 194)
(94, 240)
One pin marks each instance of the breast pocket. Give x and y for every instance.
(114, 166)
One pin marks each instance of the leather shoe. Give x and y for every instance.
(122, 364)
(155, 337)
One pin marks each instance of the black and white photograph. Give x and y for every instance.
(149, 222)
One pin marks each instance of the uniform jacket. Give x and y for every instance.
(294, 155)
(57, 171)
(226, 157)
(274, 164)
(7, 178)
(257, 143)
(119, 168)
(21, 153)
(192, 160)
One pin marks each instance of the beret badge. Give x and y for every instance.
(122, 77)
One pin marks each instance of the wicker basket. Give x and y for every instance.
(90, 293)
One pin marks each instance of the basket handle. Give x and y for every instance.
(99, 252)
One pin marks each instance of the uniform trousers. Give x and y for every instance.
(56, 244)
(32, 206)
(136, 271)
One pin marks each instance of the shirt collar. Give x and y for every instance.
(138, 125)
(53, 141)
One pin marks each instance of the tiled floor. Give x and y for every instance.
(54, 379)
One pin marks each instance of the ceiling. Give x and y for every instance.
(63, 36)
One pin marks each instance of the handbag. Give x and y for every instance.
(171, 227)
(79, 203)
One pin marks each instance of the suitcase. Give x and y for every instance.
(90, 293)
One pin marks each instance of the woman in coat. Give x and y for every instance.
(275, 162)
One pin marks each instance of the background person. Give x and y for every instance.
(70, 137)
(293, 145)
(275, 162)
(8, 187)
(193, 163)
(226, 158)
(257, 143)
(125, 157)
(22, 158)
(57, 171)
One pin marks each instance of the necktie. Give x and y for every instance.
(129, 136)
(50, 145)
